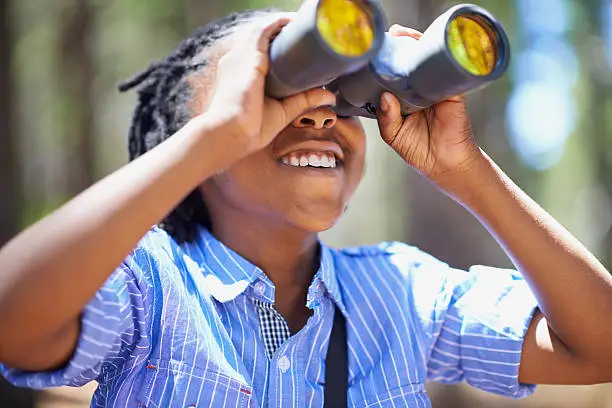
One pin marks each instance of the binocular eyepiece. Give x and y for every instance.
(342, 45)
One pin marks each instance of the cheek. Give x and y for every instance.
(356, 135)
(356, 173)
(248, 182)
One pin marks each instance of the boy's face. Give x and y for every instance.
(303, 179)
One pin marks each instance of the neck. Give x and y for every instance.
(287, 255)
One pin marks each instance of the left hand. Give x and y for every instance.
(434, 141)
(239, 101)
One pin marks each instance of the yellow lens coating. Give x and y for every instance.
(472, 45)
(345, 27)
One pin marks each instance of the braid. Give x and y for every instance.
(163, 108)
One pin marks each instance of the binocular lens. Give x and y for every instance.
(345, 26)
(473, 43)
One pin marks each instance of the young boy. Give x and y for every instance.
(229, 301)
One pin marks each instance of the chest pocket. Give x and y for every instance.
(409, 396)
(172, 384)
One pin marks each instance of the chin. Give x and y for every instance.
(318, 221)
(321, 226)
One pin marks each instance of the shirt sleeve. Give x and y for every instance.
(473, 323)
(112, 324)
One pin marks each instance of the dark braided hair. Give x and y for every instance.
(164, 107)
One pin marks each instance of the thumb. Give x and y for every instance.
(295, 105)
(280, 113)
(389, 117)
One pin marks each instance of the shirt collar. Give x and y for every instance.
(327, 272)
(228, 274)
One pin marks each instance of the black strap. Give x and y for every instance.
(336, 365)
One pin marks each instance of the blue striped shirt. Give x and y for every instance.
(176, 326)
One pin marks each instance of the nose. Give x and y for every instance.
(318, 118)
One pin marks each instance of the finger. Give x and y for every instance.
(397, 30)
(457, 98)
(271, 30)
(295, 105)
(389, 116)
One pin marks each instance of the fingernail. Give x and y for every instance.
(332, 100)
(384, 102)
(332, 96)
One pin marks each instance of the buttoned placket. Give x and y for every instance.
(259, 288)
(288, 363)
(291, 358)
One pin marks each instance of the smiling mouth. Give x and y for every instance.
(320, 160)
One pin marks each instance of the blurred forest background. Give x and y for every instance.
(548, 123)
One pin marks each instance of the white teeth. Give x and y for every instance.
(324, 159)
(314, 161)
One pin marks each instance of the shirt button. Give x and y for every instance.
(283, 364)
(260, 288)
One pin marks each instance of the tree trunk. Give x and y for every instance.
(76, 80)
(9, 171)
(10, 193)
(598, 132)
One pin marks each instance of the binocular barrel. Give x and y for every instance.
(463, 50)
(328, 38)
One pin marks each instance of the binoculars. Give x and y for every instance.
(342, 45)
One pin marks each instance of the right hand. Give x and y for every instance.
(239, 99)
(437, 141)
